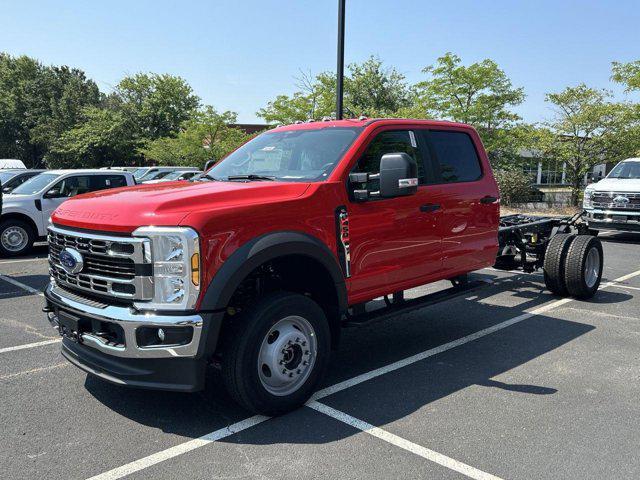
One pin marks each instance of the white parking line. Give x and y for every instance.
(172, 452)
(35, 370)
(186, 447)
(21, 285)
(29, 345)
(389, 437)
(629, 287)
(6, 262)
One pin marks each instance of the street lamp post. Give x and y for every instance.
(340, 74)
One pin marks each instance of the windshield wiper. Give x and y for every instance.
(250, 176)
(204, 178)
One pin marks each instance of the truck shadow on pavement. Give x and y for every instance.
(620, 237)
(37, 282)
(395, 395)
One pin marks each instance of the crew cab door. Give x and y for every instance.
(469, 200)
(394, 242)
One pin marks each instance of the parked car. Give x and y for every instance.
(26, 210)
(11, 163)
(150, 173)
(613, 203)
(10, 179)
(256, 267)
(175, 176)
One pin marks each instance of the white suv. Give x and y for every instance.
(26, 211)
(613, 203)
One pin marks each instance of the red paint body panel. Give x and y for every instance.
(394, 246)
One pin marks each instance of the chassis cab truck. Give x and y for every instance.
(256, 266)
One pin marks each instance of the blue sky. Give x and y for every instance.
(239, 54)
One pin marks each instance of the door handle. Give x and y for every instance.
(488, 199)
(429, 207)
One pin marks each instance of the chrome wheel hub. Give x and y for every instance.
(287, 355)
(592, 267)
(14, 239)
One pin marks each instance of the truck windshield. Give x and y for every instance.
(290, 156)
(139, 172)
(157, 175)
(35, 184)
(6, 176)
(626, 170)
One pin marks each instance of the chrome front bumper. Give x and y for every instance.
(612, 219)
(129, 320)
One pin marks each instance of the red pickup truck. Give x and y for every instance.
(256, 266)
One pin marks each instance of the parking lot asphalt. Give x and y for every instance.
(506, 381)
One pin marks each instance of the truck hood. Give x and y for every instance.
(125, 209)
(631, 185)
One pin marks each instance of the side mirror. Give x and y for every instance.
(53, 193)
(398, 175)
(210, 163)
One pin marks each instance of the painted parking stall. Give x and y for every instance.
(423, 436)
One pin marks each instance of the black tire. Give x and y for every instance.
(593, 233)
(554, 263)
(242, 343)
(583, 266)
(460, 281)
(22, 228)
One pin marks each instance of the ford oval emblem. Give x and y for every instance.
(71, 261)
(621, 200)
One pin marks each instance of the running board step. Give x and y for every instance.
(406, 306)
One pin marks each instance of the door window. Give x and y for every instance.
(455, 156)
(392, 141)
(102, 182)
(70, 187)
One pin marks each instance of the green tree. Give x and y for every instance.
(208, 135)
(101, 138)
(37, 104)
(156, 105)
(627, 74)
(588, 129)
(69, 92)
(480, 94)
(370, 89)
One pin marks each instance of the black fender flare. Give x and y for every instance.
(260, 250)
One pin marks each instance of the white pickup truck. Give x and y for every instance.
(26, 211)
(613, 203)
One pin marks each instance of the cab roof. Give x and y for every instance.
(365, 122)
(86, 170)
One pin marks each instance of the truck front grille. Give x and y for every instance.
(117, 267)
(607, 201)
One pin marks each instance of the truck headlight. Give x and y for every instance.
(588, 195)
(175, 254)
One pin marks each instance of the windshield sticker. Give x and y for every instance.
(413, 139)
(268, 149)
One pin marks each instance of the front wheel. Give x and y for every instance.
(16, 238)
(275, 353)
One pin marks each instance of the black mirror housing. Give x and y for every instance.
(53, 193)
(398, 175)
(209, 163)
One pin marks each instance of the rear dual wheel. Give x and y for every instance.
(583, 268)
(573, 265)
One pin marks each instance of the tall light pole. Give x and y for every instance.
(340, 77)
